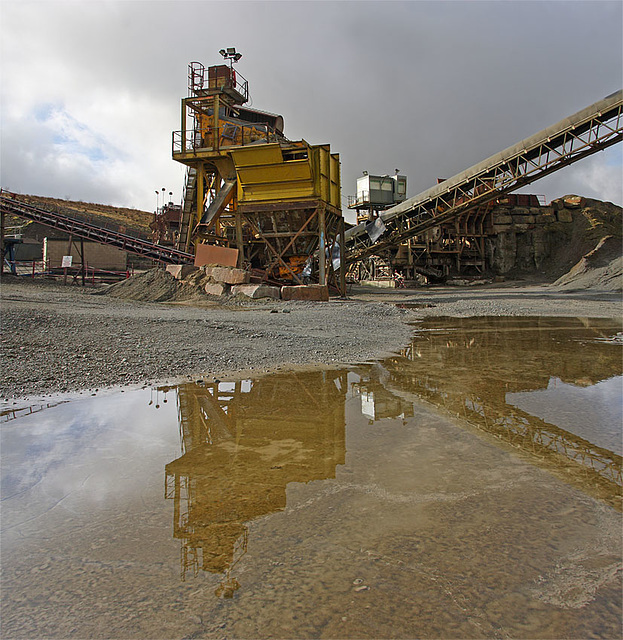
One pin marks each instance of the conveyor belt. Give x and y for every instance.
(579, 136)
(10, 204)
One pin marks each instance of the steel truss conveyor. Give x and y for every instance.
(579, 136)
(11, 205)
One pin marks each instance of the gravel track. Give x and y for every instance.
(58, 339)
(62, 338)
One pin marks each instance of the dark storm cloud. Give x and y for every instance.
(427, 87)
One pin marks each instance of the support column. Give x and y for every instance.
(342, 257)
(82, 260)
(200, 195)
(322, 259)
(2, 242)
(239, 240)
(217, 137)
(67, 254)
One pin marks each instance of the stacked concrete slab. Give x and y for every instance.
(219, 280)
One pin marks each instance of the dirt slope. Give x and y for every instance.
(601, 268)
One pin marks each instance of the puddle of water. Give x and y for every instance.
(594, 412)
(369, 502)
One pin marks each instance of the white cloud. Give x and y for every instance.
(429, 87)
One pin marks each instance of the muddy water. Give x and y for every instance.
(448, 492)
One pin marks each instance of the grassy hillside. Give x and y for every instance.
(123, 219)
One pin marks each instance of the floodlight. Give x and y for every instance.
(230, 54)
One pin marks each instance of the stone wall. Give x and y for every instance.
(523, 239)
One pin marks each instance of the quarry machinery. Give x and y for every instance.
(278, 202)
(464, 198)
(248, 187)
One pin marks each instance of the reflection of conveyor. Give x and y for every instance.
(468, 368)
(579, 136)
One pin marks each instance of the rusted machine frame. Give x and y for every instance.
(329, 227)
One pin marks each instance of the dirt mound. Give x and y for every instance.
(592, 221)
(156, 285)
(601, 268)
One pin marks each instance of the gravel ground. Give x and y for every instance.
(63, 338)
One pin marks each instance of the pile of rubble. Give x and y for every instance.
(601, 268)
(180, 283)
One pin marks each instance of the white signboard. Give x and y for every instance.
(66, 261)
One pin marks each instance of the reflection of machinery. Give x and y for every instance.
(242, 443)
(277, 201)
(378, 402)
(465, 370)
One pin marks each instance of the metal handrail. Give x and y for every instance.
(229, 135)
(197, 81)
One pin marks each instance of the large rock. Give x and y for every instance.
(314, 292)
(256, 291)
(181, 271)
(228, 275)
(215, 288)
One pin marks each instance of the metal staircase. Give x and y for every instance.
(188, 207)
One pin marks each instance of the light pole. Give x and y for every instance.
(157, 194)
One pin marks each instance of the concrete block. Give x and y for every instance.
(180, 271)
(501, 228)
(256, 291)
(563, 215)
(528, 219)
(215, 288)
(313, 292)
(502, 219)
(546, 218)
(381, 284)
(211, 254)
(228, 275)
(520, 211)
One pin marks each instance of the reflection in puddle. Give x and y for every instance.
(483, 370)
(337, 504)
(242, 443)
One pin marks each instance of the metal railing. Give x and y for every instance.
(198, 84)
(226, 136)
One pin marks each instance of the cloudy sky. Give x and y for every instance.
(91, 89)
